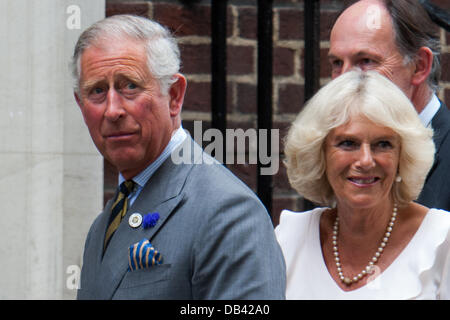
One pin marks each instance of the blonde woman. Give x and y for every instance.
(359, 150)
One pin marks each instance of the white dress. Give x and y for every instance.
(421, 271)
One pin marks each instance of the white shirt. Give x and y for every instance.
(421, 271)
(429, 111)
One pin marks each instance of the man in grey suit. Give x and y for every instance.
(175, 230)
(398, 39)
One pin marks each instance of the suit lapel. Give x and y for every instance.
(93, 253)
(441, 126)
(162, 194)
(115, 260)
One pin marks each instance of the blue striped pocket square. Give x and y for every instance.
(143, 255)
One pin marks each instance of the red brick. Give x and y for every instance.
(327, 20)
(246, 98)
(291, 98)
(136, 8)
(230, 94)
(283, 61)
(196, 58)
(198, 97)
(184, 20)
(291, 24)
(247, 23)
(240, 60)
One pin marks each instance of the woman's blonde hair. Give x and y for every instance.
(356, 93)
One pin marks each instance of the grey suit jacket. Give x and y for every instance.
(215, 236)
(436, 191)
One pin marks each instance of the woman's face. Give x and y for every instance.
(361, 162)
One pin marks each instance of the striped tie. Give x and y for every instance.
(118, 210)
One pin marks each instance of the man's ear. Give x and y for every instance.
(176, 94)
(423, 63)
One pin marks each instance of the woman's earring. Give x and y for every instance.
(398, 179)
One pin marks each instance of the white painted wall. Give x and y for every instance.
(51, 175)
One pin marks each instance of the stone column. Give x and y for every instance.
(51, 175)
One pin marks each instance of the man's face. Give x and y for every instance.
(128, 117)
(363, 37)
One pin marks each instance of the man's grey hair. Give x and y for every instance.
(163, 54)
(414, 29)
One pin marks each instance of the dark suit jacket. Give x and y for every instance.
(436, 191)
(216, 239)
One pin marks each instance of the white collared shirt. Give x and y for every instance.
(142, 178)
(429, 111)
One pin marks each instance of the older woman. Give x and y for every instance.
(358, 149)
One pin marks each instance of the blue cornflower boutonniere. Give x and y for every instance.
(150, 220)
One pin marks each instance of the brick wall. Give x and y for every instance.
(191, 23)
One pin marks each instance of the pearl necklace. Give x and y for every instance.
(369, 268)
